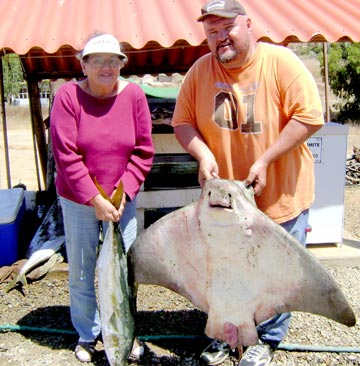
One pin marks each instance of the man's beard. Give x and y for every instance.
(226, 57)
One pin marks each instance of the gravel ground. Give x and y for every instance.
(45, 304)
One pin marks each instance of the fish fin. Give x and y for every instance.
(117, 231)
(101, 190)
(117, 196)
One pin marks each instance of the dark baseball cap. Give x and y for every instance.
(221, 8)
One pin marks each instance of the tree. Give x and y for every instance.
(13, 76)
(344, 80)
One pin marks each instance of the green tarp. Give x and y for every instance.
(157, 91)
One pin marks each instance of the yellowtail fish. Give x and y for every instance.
(116, 299)
(37, 258)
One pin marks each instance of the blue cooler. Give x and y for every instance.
(12, 212)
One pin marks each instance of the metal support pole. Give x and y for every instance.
(3, 117)
(38, 129)
(326, 75)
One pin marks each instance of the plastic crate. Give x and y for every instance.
(12, 212)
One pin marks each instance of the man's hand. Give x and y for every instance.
(257, 176)
(208, 169)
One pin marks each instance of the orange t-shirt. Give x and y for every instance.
(241, 112)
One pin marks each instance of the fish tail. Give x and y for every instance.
(12, 284)
(23, 280)
(19, 279)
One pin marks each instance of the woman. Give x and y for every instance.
(100, 128)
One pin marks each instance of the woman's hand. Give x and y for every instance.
(104, 209)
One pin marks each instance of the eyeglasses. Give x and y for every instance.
(98, 62)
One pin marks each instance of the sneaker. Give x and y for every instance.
(259, 355)
(215, 353)
(84, 351)
(137, 350)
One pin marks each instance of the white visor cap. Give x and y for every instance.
(106, 43)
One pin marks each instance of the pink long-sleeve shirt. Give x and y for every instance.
(109, 139)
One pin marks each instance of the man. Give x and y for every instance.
(244, 112)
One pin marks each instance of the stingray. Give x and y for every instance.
(236, 264)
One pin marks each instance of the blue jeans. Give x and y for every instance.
(82, 230)
(274, 330)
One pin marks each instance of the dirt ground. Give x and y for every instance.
(47, 337)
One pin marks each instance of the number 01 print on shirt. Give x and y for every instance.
(226, 112)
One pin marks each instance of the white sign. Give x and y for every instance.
(315, 146)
